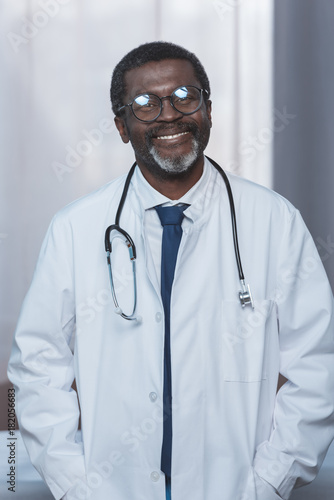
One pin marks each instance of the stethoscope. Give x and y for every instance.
(115, 230)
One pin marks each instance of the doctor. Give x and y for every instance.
(177, 395)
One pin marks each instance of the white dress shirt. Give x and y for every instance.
(150, 197)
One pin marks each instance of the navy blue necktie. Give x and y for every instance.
(171, 219)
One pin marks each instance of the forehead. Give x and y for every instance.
(160, 77)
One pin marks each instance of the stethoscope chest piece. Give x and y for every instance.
(245, 295)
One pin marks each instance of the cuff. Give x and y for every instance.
(265, 490)
(276, 468)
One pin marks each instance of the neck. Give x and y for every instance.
(174, 186)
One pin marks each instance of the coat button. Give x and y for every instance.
(158, 317)
(153, 396)
(155, 476)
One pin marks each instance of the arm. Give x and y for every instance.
(302, 428)
(41, 366)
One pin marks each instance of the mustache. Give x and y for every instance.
(177, 128)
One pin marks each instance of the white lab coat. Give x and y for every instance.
(229, 427)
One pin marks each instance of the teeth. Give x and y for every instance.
(172, 136)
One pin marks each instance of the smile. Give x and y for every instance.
(172, 136)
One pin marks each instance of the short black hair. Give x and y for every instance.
(148, 52)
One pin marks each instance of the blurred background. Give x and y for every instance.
(271, 69)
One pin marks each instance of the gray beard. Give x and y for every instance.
(178, 164)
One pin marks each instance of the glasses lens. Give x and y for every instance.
(146, 107)
(187, 100)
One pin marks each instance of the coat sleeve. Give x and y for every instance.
(303, 420)
(41, 366)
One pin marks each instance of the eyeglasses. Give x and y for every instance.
(148, 107)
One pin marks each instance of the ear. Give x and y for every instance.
(122, 129)
(208, 111)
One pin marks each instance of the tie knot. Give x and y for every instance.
(171, 215)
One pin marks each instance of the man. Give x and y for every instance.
(178, 393)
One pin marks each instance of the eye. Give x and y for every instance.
(181, 94)
(185, 96)
(143, 100)
(146, 103)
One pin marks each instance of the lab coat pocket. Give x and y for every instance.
(245, 333)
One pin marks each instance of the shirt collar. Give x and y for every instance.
(150, 197)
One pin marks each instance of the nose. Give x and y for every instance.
(168, 113)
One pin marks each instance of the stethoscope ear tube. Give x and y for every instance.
(132, 252)
(128, 240)
(118, 310)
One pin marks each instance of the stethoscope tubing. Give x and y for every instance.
(233, 217)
